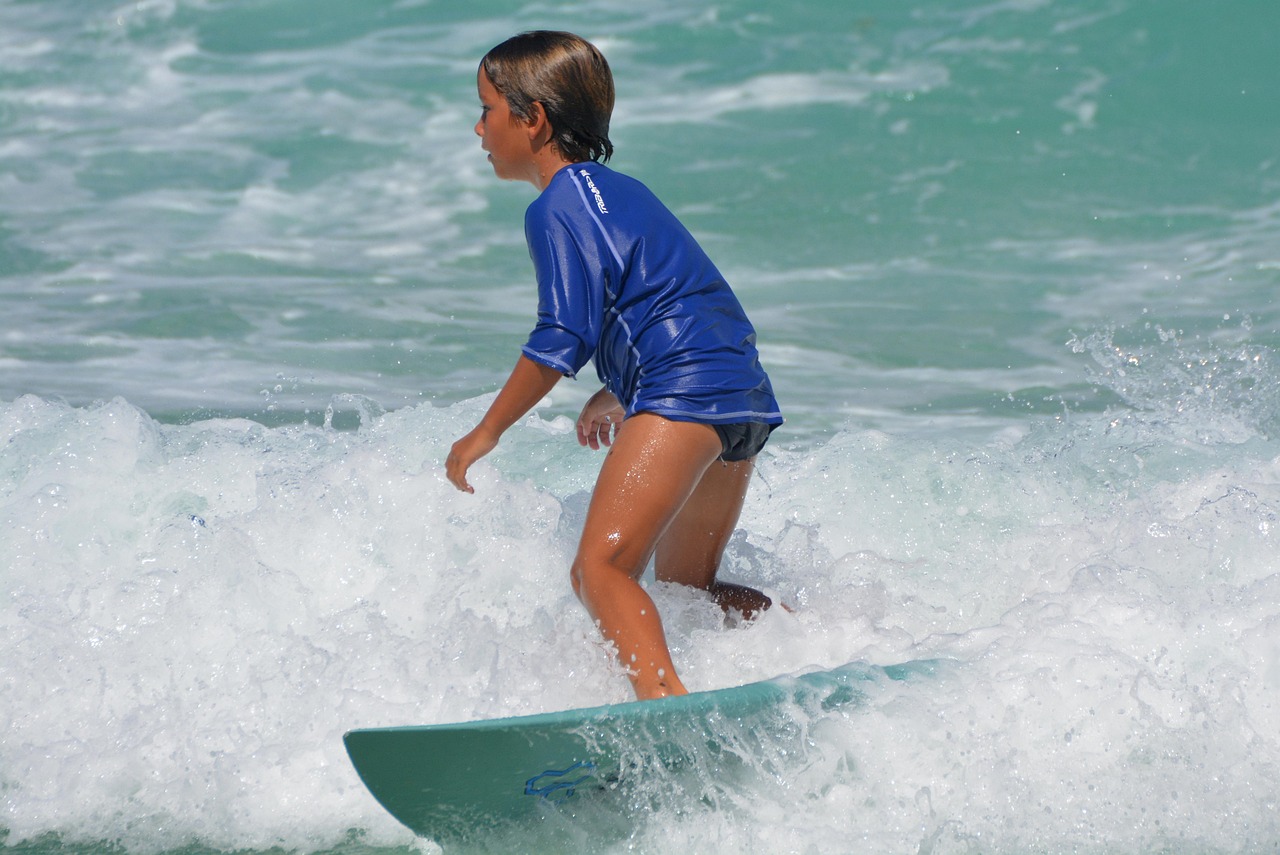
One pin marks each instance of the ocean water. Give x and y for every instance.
(1014, 266)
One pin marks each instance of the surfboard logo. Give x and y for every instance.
(559, 784)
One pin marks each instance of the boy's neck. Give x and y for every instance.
(547, 162)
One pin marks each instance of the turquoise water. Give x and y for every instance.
(1014, 268)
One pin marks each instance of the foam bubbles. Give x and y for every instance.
(196, 613)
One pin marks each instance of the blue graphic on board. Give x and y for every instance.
(555, 784)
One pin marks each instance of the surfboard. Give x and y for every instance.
(451, 782)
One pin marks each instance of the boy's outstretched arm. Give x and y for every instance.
(528, 384)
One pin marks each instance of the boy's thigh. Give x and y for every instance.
(690, 550)
(651, 470)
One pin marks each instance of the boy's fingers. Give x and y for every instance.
(456, 472)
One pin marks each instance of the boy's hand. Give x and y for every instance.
(600, 419)
(466, 451)
(528, 384)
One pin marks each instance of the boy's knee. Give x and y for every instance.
(588, 572)
(585, 573)
(575, 578)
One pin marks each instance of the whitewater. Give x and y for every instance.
(1013, 267)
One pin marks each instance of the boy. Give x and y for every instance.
(685, 406)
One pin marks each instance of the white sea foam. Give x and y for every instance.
(196, 613)
(680, 101)
(1029, 374)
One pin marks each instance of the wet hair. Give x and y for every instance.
(570, 78)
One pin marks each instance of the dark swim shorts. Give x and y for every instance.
(743, 441)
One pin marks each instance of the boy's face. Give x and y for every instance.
(503, 134)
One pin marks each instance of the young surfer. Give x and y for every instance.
(685, 406)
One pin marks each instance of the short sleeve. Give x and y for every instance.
(570, 294)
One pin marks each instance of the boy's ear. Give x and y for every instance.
(539, 125)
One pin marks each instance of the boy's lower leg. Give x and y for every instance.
(628, 617)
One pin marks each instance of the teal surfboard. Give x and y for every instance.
(451, 782)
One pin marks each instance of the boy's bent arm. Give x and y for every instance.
(528, 384)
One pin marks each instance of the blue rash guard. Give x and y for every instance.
(620, 279)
